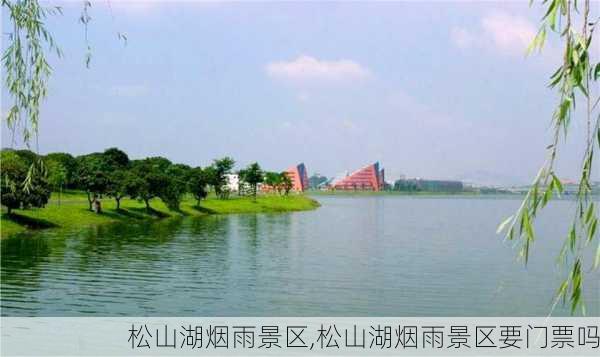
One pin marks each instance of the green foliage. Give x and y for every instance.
(23, 185)
(57, 174)
(115, 159)
(286, 182)
(573, 79)
(118, 185)
(25, 65)
(197, 184)
(68, 162)
(92, 175)
(157, 177)
(216, 175)
(252, 175)
(274, 181)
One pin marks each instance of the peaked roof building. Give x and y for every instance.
(299, 177)
(369, 177)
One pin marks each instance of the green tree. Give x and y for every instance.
(575, 80)
(14, 171)
(115, 159)
(19, 187)
(252, 175)
(92, 176)
(286, 182)
(118, 185)
(68, 162)
(217, 175)
(197, 184)
(57, 176)
(150, 181)
(273, 180)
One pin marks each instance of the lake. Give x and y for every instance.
(354, 256)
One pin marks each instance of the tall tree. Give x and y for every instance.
(286, 182)
(92, 176)
(197, 184)
(118, 185)
(68, 162)
(57, 176)
(150, 180)
(273, 180)
(252, 175)
(217, 175)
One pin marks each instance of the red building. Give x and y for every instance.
(299, 177)
(369, 178)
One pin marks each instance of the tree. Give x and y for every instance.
(115, 158)
(286, 182)
(576, 80)
(197, 184)
(150, 180)
(57, 176)
(273, 180)
(216, 175)
(91, 176)
(20, 187)
(252, 175)
(118, 185)
(14, 171)
(68, 162)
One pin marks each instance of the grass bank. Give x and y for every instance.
(73, 212)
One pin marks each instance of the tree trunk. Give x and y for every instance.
(9, 210)
(147, 204)
(118, 203)
(89, 200)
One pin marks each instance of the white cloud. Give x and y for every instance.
(509, 33)
(500, 31)
(307, 69)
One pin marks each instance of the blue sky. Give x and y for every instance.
(435, 89)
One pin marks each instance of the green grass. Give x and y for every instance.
(73, 211)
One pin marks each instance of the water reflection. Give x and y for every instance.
(377, 256)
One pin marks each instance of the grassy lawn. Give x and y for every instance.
(73, 210)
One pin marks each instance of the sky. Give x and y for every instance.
(428, 89)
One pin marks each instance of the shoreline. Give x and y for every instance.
(73, 211)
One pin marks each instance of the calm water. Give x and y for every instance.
(377, 256)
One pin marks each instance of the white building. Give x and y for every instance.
(233, 182)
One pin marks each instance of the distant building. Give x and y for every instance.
(233, 182)
(412, 185)
(368, 178)
(316, 181)
(299, 177)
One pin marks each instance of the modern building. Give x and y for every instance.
(233, 182)
(428, 185)
(298, 176)
(368, 178)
